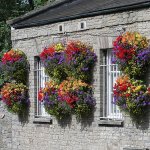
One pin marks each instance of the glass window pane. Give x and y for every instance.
(109, 74)
(41, 78)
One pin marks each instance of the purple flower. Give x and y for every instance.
(143, 57)
(113, 60)
(85, 69)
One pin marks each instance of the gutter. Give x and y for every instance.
(85, 15)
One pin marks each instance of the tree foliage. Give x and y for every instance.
(10, 9)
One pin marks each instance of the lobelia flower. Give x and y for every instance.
(15, 66)
(53, 60)
(52, 101)
(65, 95)
(15, 97)
(80, 60)
(131, 95)
(78, 95)
(131, 53)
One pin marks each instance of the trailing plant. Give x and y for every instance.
(132, 96)
(78, 95)
(75, 59)
(14, 96)
(70, 67)
(53, 103)
(132, 53)
(14, 66)
(133, 56)
(53, 59)
(14, 92)
(80, 60)
(71, 96)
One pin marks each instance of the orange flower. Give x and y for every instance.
(123, 79)
(40, 95)
(71, 84)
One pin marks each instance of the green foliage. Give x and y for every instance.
(5, 41)
(10, 9)
(58, 111)
(2, 79)
(38, 3)
(17, 72)
(14, 97)
(18, 107)
(56, 72)
(13, 69)
(13, 8)
(77, 67)
(82, 110)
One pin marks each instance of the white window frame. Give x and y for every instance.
(41, 78)
(110, 74)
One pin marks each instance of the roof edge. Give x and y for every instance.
(37, 11)
(89, 14)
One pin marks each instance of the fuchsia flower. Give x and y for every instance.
(12, 56)
(47, 52)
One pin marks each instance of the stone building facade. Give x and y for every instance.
(93, 133)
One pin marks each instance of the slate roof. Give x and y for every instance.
(63, 10)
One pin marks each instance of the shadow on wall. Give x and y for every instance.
(84, 120)
(143, 122)
(145, 119)
(23, 117)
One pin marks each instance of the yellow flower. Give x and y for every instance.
(59, 47)
(137, 88)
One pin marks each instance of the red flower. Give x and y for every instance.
(127, 95)
(6, 58)
(71, 49)
(47, 52)
(40, 95)
(50, 51)
(11, 56)
(8, 102)
(123, 87)
(121, 55)
(70, 99)
(115, 92)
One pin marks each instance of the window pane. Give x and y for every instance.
(109, 74)
(41, 78)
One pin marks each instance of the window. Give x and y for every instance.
(61, 28)
(40, 79)
(82, 25)
(108, 76)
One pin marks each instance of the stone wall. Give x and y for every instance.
(89, 134)
(5, 129)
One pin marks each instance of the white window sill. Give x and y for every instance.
(111, 122)
(42, 119)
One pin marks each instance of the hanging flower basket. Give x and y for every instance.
(78, 95)
(132, 54)
(14, 96)
(53, 103)
(132, 96)
(80, 60)
(71, 96)
(70, 66)
(15, 66)
(53, 59)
